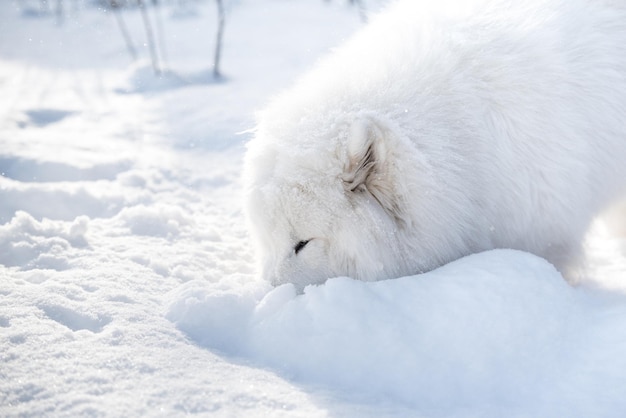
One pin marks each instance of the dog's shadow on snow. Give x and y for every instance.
(501, 327)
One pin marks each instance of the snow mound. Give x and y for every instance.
(497, 328)
(30, 244)
(141, 78)
(158, 220)
(58, 200)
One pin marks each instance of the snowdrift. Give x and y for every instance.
(501, 328)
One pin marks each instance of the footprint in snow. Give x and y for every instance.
(76, 321)
(41, 171)
(44, 117)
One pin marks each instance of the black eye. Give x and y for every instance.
(299, 246)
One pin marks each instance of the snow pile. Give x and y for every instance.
(31, 244)
(160, 221)
(499, 329)
(140, 78)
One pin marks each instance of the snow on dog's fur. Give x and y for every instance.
(444, 129)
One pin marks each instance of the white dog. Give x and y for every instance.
(444, 129)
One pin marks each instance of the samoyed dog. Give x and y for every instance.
(444, 128)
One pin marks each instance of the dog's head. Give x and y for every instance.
(326, 207)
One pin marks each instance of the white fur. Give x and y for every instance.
(440, 131)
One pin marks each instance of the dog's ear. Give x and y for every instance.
(364, 159)
(367, 169)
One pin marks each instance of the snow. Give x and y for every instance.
(516, 339)
(127, 284)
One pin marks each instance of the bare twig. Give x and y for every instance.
(150, 37)
(218, 42)
(115, 6)
(59, 12)
(362, 9)
(160, 32)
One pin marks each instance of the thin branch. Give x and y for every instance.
(218, 42)
(362, 9)
(150, 37)
(120, 22)
(59, 12)
(160, 32)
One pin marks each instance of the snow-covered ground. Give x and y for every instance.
(126, 278)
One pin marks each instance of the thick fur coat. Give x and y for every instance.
(442, 129)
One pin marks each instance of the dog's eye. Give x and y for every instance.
(299, 246)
